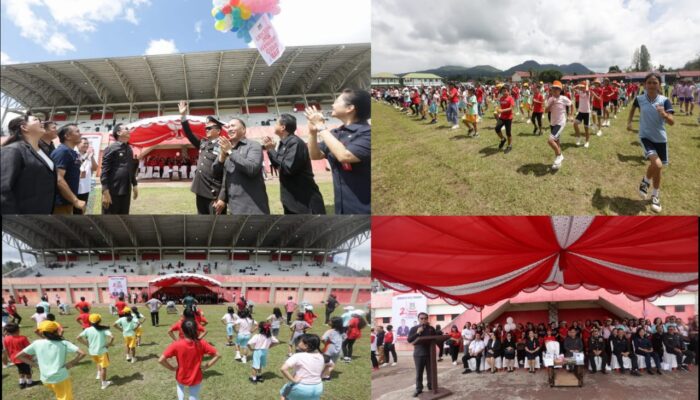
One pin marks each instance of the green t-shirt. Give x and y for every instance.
(97, 340)
(474, 108)
(51, 357)
(128, 328)
(46, 305)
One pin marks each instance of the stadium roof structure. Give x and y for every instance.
(79, 234)
(202, 78)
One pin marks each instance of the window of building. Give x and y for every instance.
(679, 308)
(441, 317)
(386, 320)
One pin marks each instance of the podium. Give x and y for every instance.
(432, 342)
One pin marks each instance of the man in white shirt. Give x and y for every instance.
(154, 306)
(476, 350)
(87, 166)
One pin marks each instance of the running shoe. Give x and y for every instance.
(455, 127)
(643, 189)
(105, 384)
(655, 204)
(599, 133)
(508, 149)
(500, 145)
(585, 145)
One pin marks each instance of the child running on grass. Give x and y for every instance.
(187, 314)
(95, 337)
(139, 329)
(655, 111)
(308, 365)
(333, 341)
(39, 316)
(128, 324)
(189, 353)
(537, 110)
(275, 319)
(50, 353)
(505, 118)
(259, 344)
(597, 104)
(584, 112)
(297, 328)
(557, 105)
(471, 118)
(84, 318)
(245, 325)
(229, 319)
(12, 344)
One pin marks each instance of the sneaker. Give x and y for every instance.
(384, 365)
(684, 367)
(455, 127)
(97, 376)
(500, 145)
(238, 355)
(133, 360)
(557, 161)
(243, 359)
(393, 364)
(22, 385)
(326, 378)
(643, 189)
(105, 384)
(635, 373)
(466, 371)
(454, 363)
(508, 149)
(128, 359)
(599, 133)
(585, 145)
(578, 143)
(656, 207)
(253, 380)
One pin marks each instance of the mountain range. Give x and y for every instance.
(487, 71)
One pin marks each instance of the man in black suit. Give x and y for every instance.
(421, 352)
(118, 173)
(206, 184)
(403, 329)
(298, 190)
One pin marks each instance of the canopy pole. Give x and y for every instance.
(481, 316)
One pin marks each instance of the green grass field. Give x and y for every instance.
(431, 169)
(179, 199)
(228, 379)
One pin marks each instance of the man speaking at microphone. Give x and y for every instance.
(421, 352)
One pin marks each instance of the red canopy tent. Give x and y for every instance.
(151, 131)
(178, 284)
(478, 261)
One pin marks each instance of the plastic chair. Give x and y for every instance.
(193, 170)
(669, 359)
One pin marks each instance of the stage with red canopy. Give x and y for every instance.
(177, 285)
(478, 261)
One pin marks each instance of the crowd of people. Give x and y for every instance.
(39, 178)
(310, 360)
(592, 106)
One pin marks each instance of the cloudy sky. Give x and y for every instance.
(46, 30)
(410, 35)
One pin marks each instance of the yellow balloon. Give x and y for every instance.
(214, 11)
(245, 13)
(220, 25)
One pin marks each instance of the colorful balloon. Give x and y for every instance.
(219, 16)
(226, 9)
(245, 13)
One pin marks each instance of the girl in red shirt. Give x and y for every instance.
(189, 353)
(505, 109)
(12, 344)
(537, 109)
(455, 342)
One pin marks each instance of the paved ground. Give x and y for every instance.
(396, 383)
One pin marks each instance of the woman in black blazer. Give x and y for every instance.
(509, 346)
(532, 348)
(28, 176)
(492, 351)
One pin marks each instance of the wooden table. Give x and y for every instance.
(560, 377)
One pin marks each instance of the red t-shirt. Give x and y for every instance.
(84, 320)
(354, 328)
(607, 93)
(454, 95)
(415, 98)
(507, 102)
(82, 304)
(189, 359)
(12, 308)
(120, 306)
(563, 332)
(444, 94)
(309, 317)
(550, 339)
(177, 326)
(199, 318)
(456, 336)
(516, 92)
(13, 345)
(479, 94)
(597, 102)
(538, 107)
(388, 337)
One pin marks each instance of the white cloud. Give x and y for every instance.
(5, 59)
(130, 16)
(597, 33)
(309, 22)
(161, 46)
(49, 23)
(59, 44)
(198, 29)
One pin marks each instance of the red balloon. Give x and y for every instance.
(226, 9)
(234, 3)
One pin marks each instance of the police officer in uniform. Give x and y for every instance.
(118, 173)
(206, 184)
(596, 348)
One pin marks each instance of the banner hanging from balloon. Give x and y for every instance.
(241, 16)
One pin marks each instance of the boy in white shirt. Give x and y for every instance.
(557, 105)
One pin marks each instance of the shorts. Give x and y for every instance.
(63, 390)
(300, 391)
(556, 132)
(652, 148)
(526, 106)
(470, 118)
(102, 360)
(598, 111)
(583, 117)
(433, 108)
(681, 99)
(229, 329)
(275, 332)
(138, 331)
(24, 368)
(130, 341)
(689, 99)
(242, 339)
(606, 104)
(335, 356)
(259, 358)
(295, 337)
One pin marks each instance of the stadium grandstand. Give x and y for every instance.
(264, 258)
(143, 91)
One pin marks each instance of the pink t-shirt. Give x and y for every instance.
(291, 305)
(259, 341)
(557, 106)
(307, 366)
(584, 102)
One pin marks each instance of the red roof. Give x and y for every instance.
(523, 74)
(689, 74)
